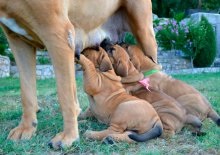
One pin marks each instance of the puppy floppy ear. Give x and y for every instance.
(104, 62)
(121, 68)
(136, 62)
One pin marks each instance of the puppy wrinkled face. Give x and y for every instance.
(120, 60)
(99, 58)
(92, 55)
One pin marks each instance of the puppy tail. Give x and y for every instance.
(214, 116)
(155, 132)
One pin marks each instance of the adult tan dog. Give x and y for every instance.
(172, 115)
(63, 26)
(110, 103)
(189, 98)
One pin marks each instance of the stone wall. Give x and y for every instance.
(4, 66)
(42, 71)
(171, 61)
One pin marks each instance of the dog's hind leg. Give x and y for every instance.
(110, 139)
(140, 19)
(25, 59)
(87, 113)
(214, 116)
(196, 123)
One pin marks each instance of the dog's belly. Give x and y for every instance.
(89, 15)
(101, 113)
(92, 20)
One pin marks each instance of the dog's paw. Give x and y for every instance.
(62, 141)
(88, 134)
(21, 132)
(108, 140)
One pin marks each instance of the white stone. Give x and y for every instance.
(4, 66)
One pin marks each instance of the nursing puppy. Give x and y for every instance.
(189, 98)
(172, 115)
(129, 118)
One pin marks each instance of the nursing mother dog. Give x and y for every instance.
(66, 27)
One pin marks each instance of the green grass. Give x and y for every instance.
(50, 123)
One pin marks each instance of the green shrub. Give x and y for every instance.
(4, 46)
(173, 35)
(130, 39)
(204, 42)
(3, 43)
(43, 60)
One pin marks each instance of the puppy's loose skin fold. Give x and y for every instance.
(189, 98)
(110, 104)
(172, 115)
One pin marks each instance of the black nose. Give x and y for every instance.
(106, 44)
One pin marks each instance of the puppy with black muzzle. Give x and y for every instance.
(172, 115)
(129, 118)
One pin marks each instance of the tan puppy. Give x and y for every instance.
(192, 100)
(110, 104)
(63, 27)
(172, 115)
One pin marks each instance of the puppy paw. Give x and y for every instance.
(108, 140)
(88, 134)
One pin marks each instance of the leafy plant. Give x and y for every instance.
(204, 43)
(3, 43)
(43, 60)
(173, 35)
(130, 39)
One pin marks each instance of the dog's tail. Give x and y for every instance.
(155, 132)
(214, 116)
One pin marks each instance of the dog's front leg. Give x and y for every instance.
(92, 84)
(57, 38)
(25, 59)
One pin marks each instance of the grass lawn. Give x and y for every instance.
(50, 123)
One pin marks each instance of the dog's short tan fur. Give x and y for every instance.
(109, 102)
(172, 115)
(63, 27)
(189, 98)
